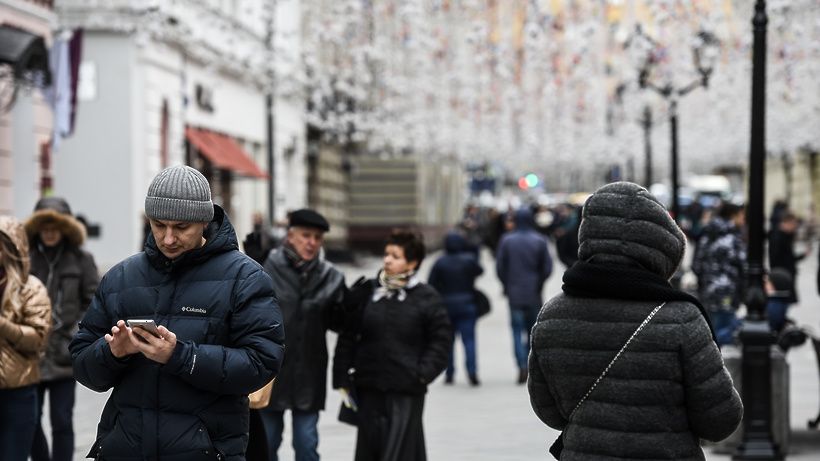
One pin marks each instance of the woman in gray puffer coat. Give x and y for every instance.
(669, 388)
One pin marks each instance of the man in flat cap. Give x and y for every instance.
(310, 292)
(181, 394)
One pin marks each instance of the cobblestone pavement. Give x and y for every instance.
(495, 421)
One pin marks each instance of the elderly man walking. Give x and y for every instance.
(181, 394)
(310, 292)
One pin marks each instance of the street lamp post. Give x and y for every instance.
(705, 54)
(646, 124)
(755, 334)
(270, 108)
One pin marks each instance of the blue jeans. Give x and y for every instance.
(522, 319)
(725, 323)
(18, 417)
(61, 410)
(776, 310)
(305, 434)
(463, 321)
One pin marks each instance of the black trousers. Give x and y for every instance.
(61, 396)
(257, 441)
(390, 427)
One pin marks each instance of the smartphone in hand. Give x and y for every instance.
(146, 324)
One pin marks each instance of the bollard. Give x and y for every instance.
(781, 425)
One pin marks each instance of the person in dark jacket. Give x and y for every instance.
(669, 388)
(453, 276)
(258, 243)
(181, 395)
(523, 265)
(397, 347)
(310, 292)
(781, 250)
(71, 278)
(719, 262)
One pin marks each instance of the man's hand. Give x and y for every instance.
(157, 349)
(119, 340)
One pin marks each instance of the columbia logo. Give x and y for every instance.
(198, 310)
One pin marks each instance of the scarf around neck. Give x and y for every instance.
(302, 266)
(592, 280)
(394, 285)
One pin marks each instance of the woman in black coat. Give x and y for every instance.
(389, 356)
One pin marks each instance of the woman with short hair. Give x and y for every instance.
(398, 345)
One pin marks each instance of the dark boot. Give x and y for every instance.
(448, 379)
(522, 376)
(474, 380)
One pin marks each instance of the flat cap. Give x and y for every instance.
(308, 218)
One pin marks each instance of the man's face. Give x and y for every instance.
(788, 226)
(50, 235)
(306, 240)
(176, 237)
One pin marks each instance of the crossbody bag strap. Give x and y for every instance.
(615, 359)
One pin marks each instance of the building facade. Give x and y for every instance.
(178, 83)
(25, 117)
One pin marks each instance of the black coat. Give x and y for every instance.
(222, 307)
(781, 254)
(396, 346)
(310, 306)
(71, 277)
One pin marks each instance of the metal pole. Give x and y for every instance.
(647, 143)
(269, 114)
(673, 126)
(755, 333)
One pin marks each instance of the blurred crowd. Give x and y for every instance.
(397, 332)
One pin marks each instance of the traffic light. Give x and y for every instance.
(528, 181)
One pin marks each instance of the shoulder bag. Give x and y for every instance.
(558, 446)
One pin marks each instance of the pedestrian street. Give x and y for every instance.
(494, 421)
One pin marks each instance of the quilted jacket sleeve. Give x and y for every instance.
(541, 400)
(256, 348)
(714, 407)
(94, 365)
(30, 335)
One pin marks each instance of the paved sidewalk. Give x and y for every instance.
(495, 421)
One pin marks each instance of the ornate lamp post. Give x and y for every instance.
(755, 333)
(704, 53)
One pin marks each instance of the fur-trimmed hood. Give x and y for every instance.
(55, 210)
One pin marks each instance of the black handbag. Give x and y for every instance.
(349, 414)
(558, 446)
(482, 303)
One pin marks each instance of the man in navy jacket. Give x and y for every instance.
(181, 395)
(523, 264)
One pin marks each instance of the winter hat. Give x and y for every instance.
(55, 211)
(623, 223)
(308, 218)
(179, 193)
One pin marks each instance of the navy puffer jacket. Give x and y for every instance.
(221, 305)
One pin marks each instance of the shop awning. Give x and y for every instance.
(223, 152)
(25, 53)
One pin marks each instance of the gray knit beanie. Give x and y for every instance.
(623, 222)
(179, 193)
